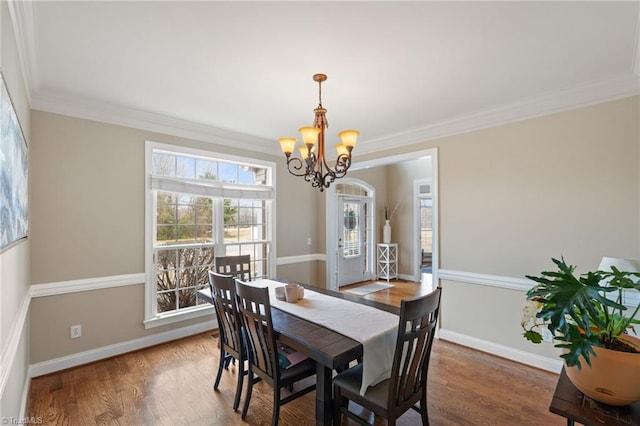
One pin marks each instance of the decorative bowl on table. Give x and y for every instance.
(280, 293)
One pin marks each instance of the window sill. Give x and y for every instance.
(174, 317)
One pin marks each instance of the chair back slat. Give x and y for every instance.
(223, 292)
(255, 313)
(416, 329)
(238, 266)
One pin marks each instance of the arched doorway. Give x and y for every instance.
(350, 232)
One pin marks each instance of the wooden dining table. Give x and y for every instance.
(331, 350)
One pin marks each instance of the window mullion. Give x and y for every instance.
(218, 226)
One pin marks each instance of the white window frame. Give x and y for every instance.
(221, 189)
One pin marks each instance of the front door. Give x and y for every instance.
(352, 247)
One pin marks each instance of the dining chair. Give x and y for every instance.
(238, 266)
(232, 341)
(264, 351)
(408, 382)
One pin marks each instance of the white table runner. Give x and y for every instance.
(375, 329)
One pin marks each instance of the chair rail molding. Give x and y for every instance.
(288, 260)
(499, 281)
(85, 284)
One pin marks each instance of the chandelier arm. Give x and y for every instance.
(343, 162)
(294, 164)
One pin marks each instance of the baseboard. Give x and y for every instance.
(108, 351)
(25, 394)
(538, 361)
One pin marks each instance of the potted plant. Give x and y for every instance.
(587, 319)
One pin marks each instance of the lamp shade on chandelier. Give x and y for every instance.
(312, 163)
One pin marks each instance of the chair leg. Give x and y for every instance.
(248, 397)
(220, 368)
(424, 411)
(276, 405)
(241, 373)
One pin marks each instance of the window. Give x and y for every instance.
(352, 232)
(201, 205)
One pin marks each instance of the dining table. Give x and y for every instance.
(309, 326)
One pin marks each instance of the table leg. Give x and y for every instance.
(324, 395)
(570, 422)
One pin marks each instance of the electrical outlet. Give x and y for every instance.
(76, 331)
(309, 241)
(546, 335)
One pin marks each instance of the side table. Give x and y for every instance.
(387, 256)
(573, 405)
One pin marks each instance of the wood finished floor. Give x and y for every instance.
(172, 384)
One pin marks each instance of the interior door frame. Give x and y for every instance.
(332, 232)
(417, 225)
(330, 225)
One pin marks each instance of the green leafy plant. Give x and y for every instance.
(582, 311)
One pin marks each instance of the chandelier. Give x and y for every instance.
(312, 164)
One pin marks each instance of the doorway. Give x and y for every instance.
(409, 237)
(352, 240)
(350, 219)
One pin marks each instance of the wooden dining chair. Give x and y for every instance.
(232, 341)
(238, 266)
(408, 382)
(255, 313)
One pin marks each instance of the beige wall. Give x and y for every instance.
(14, 262)
(513, 196)
(88, 221)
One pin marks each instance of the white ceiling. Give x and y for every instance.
(398, 72)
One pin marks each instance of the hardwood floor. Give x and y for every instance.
(172, 384)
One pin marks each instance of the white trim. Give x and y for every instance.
(25, 394)
(596, 92)
(103, 352)
(23, 21)
(406, 277)
(553, 365)
(393, 159)
(90, 109)
(621, 86)
(288, 260)
(86, 284)
(179, 316)
(499, 281)
(9, 351)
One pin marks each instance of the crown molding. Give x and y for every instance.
(144, 120)
(22, 20)
(592, 93)
(576, 97)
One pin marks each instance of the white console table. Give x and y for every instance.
(387, 257)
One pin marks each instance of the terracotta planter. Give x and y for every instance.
(614, 377)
